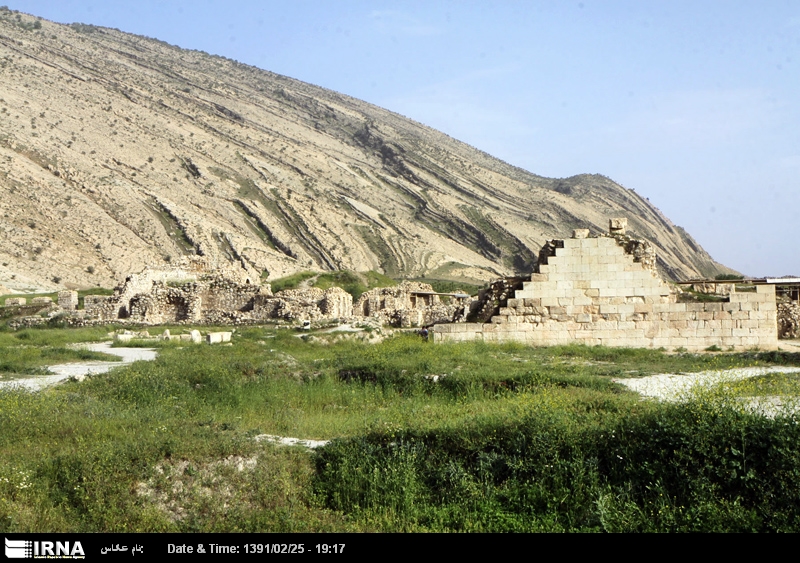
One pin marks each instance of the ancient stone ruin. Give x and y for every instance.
(194, 293)
(412, 304)
(593, 290)
(605, 290)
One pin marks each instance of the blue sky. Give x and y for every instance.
(695, 105)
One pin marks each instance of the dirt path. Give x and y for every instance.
(80, 370)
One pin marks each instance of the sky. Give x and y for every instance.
(693, 104)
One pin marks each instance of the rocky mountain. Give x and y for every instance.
(119, 151)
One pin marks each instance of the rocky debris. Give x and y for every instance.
(641, 250)
(714, 288)
(286, 441)
(15, 301)
(684, 386)
(789, 320)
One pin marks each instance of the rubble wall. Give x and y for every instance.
(410, 304)
(591, 291)
(789, 319)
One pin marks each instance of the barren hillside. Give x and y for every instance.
(118, 151)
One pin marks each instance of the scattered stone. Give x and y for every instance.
(218, 337)
(285, 441)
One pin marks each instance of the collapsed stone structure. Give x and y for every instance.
(194, 293)
(412, 304)
(200, 295)
(788, 319)
(605, 290)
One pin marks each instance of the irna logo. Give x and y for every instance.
(24, 549)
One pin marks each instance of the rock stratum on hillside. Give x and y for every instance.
(119, 151)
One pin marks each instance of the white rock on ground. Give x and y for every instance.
(284, 441)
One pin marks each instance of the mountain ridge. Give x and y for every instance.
(119, 151)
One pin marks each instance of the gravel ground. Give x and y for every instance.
(79, 370)
(676, 387)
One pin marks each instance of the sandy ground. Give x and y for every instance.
(79, 370)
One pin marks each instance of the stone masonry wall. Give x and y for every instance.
(68, 300)
(592, 291)
(789, 319)
(410, 304)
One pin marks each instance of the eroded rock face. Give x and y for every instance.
(128, 153)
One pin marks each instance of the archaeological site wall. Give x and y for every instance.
(411, 304)
(605, 291)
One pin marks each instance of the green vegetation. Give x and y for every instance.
(727, 277)
(449, 286)
(29, 352)
(54, 296)
(352, 282)
(691, 296)
(291, 282)
(426, 437)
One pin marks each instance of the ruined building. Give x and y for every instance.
(412, 304)
(606, 290)
(195, 293)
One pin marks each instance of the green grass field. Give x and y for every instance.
(425, 437)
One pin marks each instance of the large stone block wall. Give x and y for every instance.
(591, 291)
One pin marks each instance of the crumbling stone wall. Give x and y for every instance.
(598, 291)
(714, 288)
(16, 301)
(789, 319)
(411, 304)
(495, 296)
(305, 304)
(68, 300)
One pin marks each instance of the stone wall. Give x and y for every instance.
(411, 304)
(789, 319)
(68, 300)
(605, 291)
(15, 301)
(304, 304)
